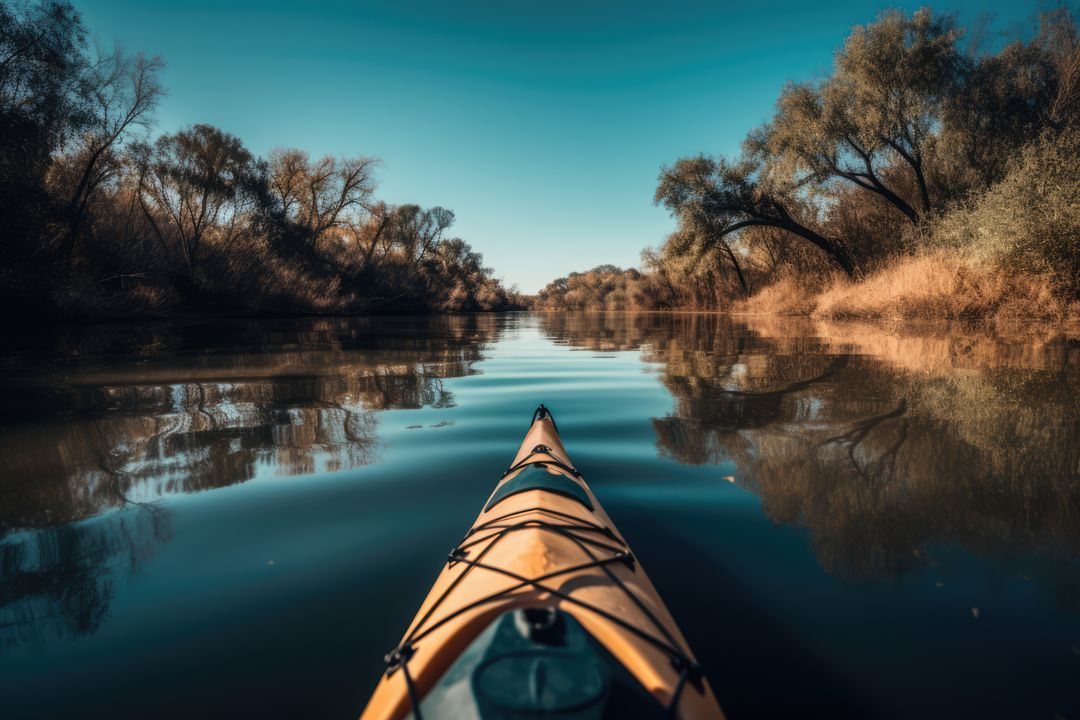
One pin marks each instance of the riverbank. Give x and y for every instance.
(936, 286)
(261, 295)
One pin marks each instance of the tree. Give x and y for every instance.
(42, 64)
(95, 220)
(370, 235)
(460, 280)
(813, 138)
(194, 181)
(719, 197)
(896, 73)
(423, 230)
(315, 197)
(415, 232)
(42, 104)
(1008, 98)
(122, 93)
(695, 238)
(604, 287)
(1059, 39)
(877, 110)
(907, 124)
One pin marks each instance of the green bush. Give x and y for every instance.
(1029, 222)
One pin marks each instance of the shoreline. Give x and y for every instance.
(1071, 321)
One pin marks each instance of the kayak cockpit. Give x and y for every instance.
(538, 662)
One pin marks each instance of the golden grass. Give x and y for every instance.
(931, 286)
(941, 286)
(786, 296)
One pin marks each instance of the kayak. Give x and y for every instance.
(542, 609)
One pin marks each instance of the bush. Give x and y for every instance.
(1030, 221)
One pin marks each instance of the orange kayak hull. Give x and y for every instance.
(563, 537)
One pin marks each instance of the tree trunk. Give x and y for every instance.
(738, 268)
(836, 252)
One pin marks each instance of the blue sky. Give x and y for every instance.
(543, 125)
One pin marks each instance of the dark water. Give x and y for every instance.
(240, 518)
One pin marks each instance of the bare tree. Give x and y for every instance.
(414, 231)
(317, 196)
(190, 182)
(123, 92)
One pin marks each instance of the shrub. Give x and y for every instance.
(1030, 221)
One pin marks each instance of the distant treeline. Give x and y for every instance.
(97, 218)
(921, 147)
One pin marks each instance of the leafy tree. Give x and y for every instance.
(605, 287)
(96, 219)
(877, 111)
(895, 75)
(1006, 99)
(860, 165)
(719, 197)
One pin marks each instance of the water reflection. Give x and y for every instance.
(59, 582)
(84, 430)
(884, 446)
(88, 433)
(947, 461)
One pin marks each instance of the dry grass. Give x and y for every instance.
(941, 286)
(932, 286)
(786, 296)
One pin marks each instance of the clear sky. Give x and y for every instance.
(543, 125)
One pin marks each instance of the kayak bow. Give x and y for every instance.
(542, 609)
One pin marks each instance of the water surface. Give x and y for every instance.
(240, 517)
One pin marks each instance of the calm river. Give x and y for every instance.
(239, 518)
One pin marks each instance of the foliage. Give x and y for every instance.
(914, 142)
(99, 219)
(605, 287)
(1031, 219)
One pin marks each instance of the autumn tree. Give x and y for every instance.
(909, 123)
(315, 197)
(1006, 99)
(195, 182)
(98, 219)
(895, 74)
(122, 92)
(604, 287)
(418, 231)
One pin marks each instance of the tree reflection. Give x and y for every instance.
(59, 582)
(207, 407)
(85, 430)
(883, 446)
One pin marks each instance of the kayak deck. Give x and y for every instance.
(543, 544)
